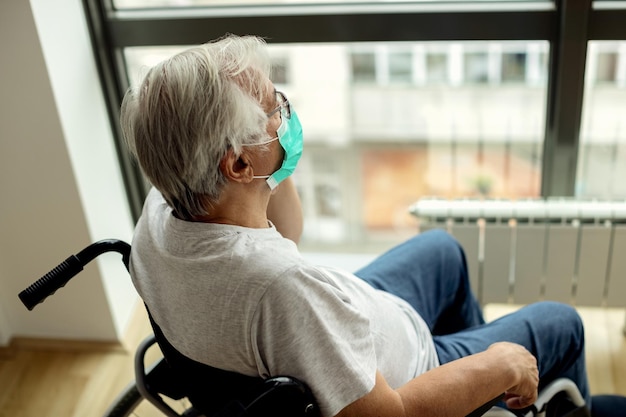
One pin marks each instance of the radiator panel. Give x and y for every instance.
(496, 264)
(595, 242)
(530, 250)
(616, 296)
(560, 262)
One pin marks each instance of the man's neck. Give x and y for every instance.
(245, 208)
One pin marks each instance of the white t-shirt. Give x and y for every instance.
(245, 300)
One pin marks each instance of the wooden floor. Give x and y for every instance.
(39, 379)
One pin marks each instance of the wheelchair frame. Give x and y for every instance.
(155, 382)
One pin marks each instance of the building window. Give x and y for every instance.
(476, 67)
(363, 67)
(400, 67)
(513, 67)
(436, 68)
(280, 70)
(606, 67)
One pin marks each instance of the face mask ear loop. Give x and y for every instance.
(259, 144)
(262, 143)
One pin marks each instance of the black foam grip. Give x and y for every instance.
(52, 281)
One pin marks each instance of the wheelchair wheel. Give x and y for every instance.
(126, 402)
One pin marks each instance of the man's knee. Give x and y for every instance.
(564, 313)
(560, 320)
(442, 244)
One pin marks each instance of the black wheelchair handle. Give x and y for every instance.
(49, 283)
(66, 270)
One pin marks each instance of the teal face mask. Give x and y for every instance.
(291, 139)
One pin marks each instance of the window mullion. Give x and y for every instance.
(568, 56)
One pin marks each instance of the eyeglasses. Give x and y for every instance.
(283, 106)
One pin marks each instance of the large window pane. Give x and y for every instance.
(140, 59)
(388, 123)
(602, 151)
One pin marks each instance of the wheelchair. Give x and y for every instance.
(214, 392)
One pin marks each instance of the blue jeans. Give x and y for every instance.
(430, 273)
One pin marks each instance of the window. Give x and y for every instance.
(606, 70)
(280, 70)
(375, 139)
(140, 59)
(436, 67)
(476, 67)
(419, 105)
(513, 67)
(400, 67)
(363, 67)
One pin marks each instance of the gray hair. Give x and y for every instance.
(189, 110)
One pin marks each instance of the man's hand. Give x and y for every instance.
(525, 371)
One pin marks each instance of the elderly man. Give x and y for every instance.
(215, 259)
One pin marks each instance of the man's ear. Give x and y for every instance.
(236, 167)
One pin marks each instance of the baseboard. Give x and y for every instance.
(137, 329)
(55, 345)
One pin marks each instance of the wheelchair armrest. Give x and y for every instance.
(294, 398)
(156, 380)
(486, 407)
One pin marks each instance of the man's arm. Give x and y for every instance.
(456, 388)
(285, 210)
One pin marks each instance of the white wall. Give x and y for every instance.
(60, 184)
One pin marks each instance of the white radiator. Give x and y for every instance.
(524, 251)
